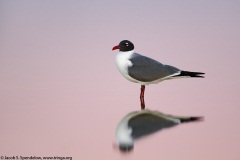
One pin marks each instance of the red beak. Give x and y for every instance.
(115, 47)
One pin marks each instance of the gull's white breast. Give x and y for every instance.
(123, 62)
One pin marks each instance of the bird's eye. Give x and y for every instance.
(126, 44)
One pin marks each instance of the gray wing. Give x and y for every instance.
(146, 69)
(146, 123)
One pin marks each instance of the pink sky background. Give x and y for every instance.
(62, 95)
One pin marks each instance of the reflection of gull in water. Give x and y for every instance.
(141, 123)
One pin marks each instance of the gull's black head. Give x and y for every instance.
(125, 147)
(124, 46)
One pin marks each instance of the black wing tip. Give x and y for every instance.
(198, 74)
(192, 119)
(192, 74)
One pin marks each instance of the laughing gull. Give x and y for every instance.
(144, 70)
(141, 123)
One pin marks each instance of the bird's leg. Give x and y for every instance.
(142, 97)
